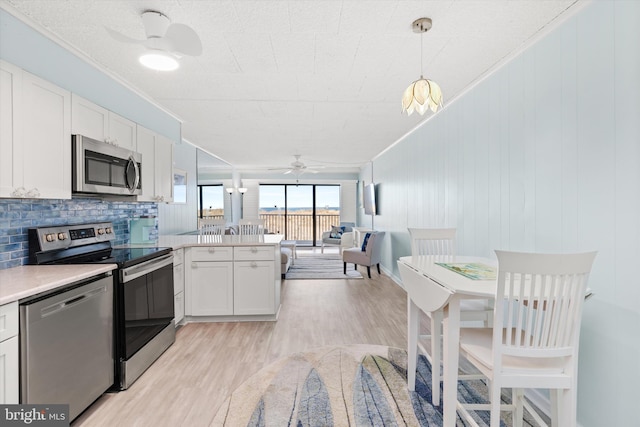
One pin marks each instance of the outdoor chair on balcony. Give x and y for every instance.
(341, 235)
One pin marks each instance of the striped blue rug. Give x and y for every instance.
(358, 385)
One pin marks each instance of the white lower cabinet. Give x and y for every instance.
(253, 287)
(178, 285)
(211, 288)
(231, 281)
(178, 302)
(9, 354)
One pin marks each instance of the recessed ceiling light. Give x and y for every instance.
(159, 61)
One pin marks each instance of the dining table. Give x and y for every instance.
(436, 283)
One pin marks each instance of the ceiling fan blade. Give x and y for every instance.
(122, 38)
(184, 39)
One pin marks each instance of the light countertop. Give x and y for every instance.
(27, 280)
(182, 240)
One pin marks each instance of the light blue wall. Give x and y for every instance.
(30, 50)
(544, 155)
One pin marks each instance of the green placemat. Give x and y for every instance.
(472, 270)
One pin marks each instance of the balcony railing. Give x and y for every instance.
(299, 226)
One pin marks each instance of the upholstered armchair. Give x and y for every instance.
(341, 235)
(369, 254)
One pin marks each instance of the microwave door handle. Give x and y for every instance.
(136, 181)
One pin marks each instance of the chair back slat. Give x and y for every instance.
(433, 241)
(543, 296)
(211, 227)
(251, 227)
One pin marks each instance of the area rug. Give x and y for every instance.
(321, 266)
(357, 385)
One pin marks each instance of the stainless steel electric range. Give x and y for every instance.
(143, 289)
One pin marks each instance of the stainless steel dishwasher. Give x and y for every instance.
(66, 344)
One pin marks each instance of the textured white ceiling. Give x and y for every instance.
(318, 78)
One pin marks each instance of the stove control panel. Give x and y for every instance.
(66, 236)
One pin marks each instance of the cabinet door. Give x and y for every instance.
(9, 368)
(146, 141)
(46, 124)
(178, 278)
(211, 288)
(254, 287)
(122, 132)
(10, 98)
(164, 168)
(89, 119)
(179, 307)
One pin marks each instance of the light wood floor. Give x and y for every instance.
(187, 385)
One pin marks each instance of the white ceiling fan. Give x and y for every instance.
(297, 167)
(167, 42)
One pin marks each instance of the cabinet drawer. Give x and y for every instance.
(178, 257)
(212, 253)
(253, 253)
(8, 320)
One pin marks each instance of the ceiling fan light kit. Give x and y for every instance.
(159, 61)
(166, 42)
(422, 94)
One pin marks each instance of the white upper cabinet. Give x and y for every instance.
(10, 98)
(157, 166)
(92, 120)
(122, 132)
(35, 136)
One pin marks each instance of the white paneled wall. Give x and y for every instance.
(251, 208)
(543, 155)
(347, 197)
(181, 218)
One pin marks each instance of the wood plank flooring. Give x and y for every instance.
(187, 385)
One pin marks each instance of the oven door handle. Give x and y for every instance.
(147, 267)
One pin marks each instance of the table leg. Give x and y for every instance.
(413, 330)
(450, 362)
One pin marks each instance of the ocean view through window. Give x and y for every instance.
(300, 212)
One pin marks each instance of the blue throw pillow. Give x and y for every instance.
(336, 232)
(365, 241)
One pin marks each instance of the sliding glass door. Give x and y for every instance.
(210, 201)
(300, 212)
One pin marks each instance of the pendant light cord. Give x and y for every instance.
(421, 54)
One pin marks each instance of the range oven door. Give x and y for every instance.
(146, 304)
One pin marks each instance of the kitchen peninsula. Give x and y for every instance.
(226, 278)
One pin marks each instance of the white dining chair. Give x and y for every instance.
(440, 243)
(211, 227)
(251, 227)
(535, 334)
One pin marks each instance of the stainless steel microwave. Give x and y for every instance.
(102, 168)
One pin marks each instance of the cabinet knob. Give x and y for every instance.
(212, 250)
(253, 264)
(194, 265)
(254, 250)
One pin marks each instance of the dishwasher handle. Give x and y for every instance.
(71, 302)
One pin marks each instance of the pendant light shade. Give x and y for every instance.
(422, 94)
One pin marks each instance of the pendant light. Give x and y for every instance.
(423, 93)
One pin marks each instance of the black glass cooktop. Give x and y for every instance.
(126, 257)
